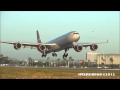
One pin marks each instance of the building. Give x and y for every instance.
(108, 59)
(92, 56)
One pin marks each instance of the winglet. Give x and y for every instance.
(38, 37)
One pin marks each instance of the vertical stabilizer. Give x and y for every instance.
(38, 37)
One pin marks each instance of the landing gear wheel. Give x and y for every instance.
(65, 55)
(43, 55)
(54, 54)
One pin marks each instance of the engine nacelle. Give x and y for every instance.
(78, 48)
(41, 47)
(93, 47)
(17, 46)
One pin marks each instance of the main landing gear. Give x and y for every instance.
(44, 54)
(54, 54)
(65, 54)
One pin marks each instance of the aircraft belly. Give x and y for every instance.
(54, 48)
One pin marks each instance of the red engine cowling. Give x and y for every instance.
(41, 47)
(17, 46)
(78, 48)
(93, 47)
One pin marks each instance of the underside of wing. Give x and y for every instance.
(93, 46)
(89, 44)
(27, 44)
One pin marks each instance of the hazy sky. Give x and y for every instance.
(93, 26)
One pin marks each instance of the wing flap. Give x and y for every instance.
(89, 44)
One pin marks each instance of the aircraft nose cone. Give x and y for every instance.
(76, 38)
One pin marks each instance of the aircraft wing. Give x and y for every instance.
(89, 44)
(25, 44)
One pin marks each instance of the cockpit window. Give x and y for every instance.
(75, 33)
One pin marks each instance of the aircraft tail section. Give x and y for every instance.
(38, 37)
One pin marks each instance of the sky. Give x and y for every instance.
(93, 26)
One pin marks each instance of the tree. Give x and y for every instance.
(7, 57)
(73, 62)
(58, 62)
(103, 61)
(48, 61)
(89, 63)
(70, 58)
(1, 55)
(48, 58)
(29, 61)
(65, 60)
(111, 60)
(95, 61)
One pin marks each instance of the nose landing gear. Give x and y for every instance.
(65, 54)
(54, 54)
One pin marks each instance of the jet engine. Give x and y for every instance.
(41, 47)
(93, 47)
(17, 46)
(78, 48)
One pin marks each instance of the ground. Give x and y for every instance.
(53, 73)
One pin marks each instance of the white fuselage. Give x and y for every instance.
(64, 41)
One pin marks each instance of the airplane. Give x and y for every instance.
(63, 42)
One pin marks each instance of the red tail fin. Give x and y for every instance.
(38, 37)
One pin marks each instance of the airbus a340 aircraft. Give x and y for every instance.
(63, 42)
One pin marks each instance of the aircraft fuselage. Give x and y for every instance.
(63, 41)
